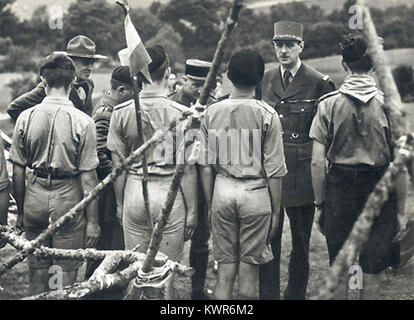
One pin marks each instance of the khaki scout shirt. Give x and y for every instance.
(353, 134)
(55, 137)
(158, 113)
(240, 136)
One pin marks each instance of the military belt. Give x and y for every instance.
(53, 176)
(295, 137)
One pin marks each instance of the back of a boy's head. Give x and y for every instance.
(354, 50)
(246, 68)
(58, 70)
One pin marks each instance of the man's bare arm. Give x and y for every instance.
(207, 182)
(19, 185)
(119, 186)
(89, 180)
(190, 192)
(318, 169)
(275, 187)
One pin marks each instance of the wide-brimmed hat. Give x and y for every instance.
(83, 47)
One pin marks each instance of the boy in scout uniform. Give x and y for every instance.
(351, 131)
(157, 113)
(293, 89)
(58, 142)
(244, 209)
(195, 75)
(82, 50)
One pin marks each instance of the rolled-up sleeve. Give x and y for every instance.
(18, 150)
(88, 159)
(320, 126)
(273, 153)
(116, 142)
(203, 138)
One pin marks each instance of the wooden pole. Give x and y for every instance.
(143, 157)
(218, 55)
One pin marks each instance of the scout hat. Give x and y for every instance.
(82, 47)
(197, 69)
(246, 68)
(288, 30)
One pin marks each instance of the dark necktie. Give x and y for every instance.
(286, 79)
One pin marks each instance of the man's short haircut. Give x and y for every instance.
(159, 64)
(246, 68)
(58, 70)
(355, 54)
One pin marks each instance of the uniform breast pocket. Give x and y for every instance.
(305, 151)
(304, 112)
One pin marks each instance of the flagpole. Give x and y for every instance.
(143, 157)
(138, 114)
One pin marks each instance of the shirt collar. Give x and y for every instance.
(153, 94)
(293, 71)
(111, 101)
(58, 100)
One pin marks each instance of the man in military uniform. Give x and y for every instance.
(111, 230)
(58, 142)
(82, 50)
(293, 89)
(246, 203)
(195, 75)
(196, 72)
(157, 113)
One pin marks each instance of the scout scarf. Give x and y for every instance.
(360, 87)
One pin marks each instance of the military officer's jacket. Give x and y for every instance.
(296, 107)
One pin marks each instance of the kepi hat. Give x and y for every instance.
(288, 30)
(197, 69)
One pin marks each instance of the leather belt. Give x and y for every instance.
(358, 168)
(53, 176)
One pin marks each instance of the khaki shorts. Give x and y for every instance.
(241, 217)
(44, 203)
(136, 231)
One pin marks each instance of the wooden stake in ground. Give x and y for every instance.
(360, 232)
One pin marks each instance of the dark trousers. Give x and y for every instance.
(112, 237)
(301, 220)
(347, 190)
(199, 250)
